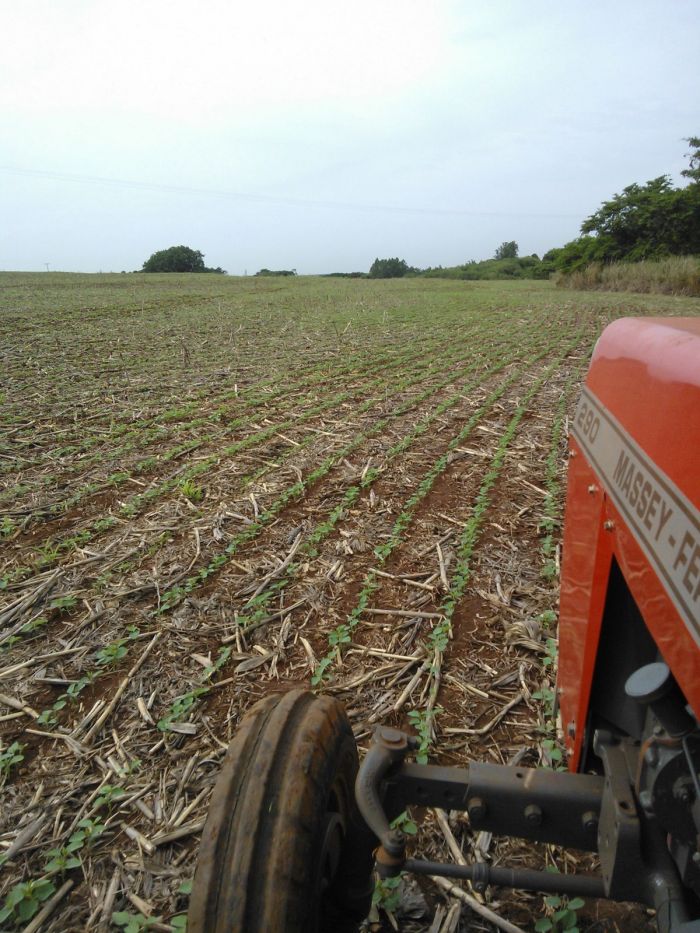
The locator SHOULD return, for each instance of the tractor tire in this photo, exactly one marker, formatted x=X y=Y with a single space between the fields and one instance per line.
x=284 y=848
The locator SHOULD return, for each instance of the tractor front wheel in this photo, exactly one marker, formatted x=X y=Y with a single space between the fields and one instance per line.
x=284 y=847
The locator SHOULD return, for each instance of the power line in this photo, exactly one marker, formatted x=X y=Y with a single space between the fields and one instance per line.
x=267 y=198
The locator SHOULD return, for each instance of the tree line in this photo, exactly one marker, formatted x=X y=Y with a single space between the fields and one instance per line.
x=651 y=221
x=655 y=220
x=506 y=264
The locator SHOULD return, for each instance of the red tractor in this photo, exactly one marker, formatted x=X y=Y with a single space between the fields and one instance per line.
x=290 y=846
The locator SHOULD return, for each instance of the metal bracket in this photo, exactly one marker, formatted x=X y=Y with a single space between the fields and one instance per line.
x=577 y=810
x=619 y=836
x=389 y=748
x=534 y=804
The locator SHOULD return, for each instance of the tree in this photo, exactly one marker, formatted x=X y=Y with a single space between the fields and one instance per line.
x=507 y=250
x=389 y=268
x=648 y=221
x=643 y=222
x=178 y=259
x=693 y=172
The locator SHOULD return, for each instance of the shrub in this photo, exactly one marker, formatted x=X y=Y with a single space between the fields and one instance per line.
x=178 y=259
x=389 y=269
x=676 y=275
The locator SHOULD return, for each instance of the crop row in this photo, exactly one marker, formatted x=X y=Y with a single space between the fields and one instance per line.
x=256 y=610
x=301 y=487
x=256 y=607
x=342 y=635
x=36 y=623
x=77 y=361
x=87 y=367
x=135 y=504
x=551 y=509
x=171 y=383
x=170 y=598
x=438 y=640
x=218 y=407
x=550 y=525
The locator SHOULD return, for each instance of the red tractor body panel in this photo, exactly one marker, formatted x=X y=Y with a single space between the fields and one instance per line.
x=633 y=499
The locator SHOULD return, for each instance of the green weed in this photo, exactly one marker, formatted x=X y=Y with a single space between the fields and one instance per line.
x=7 y=527
x=563 y=915
x=62 y=860
x=87 y=833
x=112 y=653
x=422 y=722
x=191 y=490
x=109 y=796
x=63 y=603
x=133 y=923
x=24 y=900
x=404 y=822
x=387 y=893
x=10 y=756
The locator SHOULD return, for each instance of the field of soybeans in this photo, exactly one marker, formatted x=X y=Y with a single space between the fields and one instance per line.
x=214 y=488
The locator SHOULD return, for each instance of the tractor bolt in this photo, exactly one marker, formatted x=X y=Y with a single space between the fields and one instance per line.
x=571 y=730
x=394 y=843
x=592 y=489
x=533 y=815
x=476 y=809
x=390 y=737
x=609 y=525
x=590 y=821
x=681 y=791
x=646 y=801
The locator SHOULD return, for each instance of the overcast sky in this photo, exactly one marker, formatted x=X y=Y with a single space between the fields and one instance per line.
x=319 y=135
